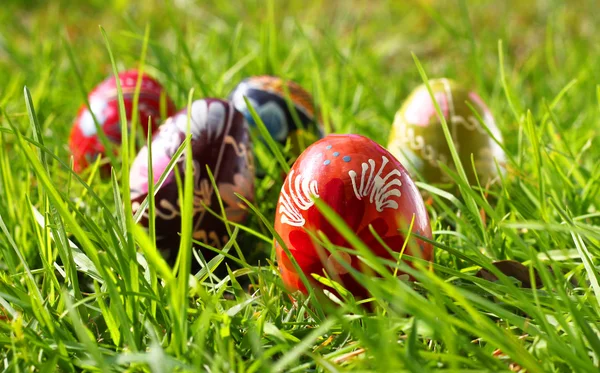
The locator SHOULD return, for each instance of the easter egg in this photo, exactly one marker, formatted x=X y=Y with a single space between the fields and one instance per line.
x=296 y=120
x=220 y=141
x=417 y=138
x=84 y=142
x=365 y=185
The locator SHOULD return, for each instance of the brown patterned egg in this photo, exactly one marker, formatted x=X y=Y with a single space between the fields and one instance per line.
x=417 y=138
x=365 y=185
x=220 y=141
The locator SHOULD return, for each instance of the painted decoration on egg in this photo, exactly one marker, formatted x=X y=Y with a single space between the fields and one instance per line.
x=84 y=142
x=268 y=97
x=364 y=184
x=417 y=138
x=220 y=141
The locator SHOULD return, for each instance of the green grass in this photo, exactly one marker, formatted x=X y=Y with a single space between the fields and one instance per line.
x=83 y=288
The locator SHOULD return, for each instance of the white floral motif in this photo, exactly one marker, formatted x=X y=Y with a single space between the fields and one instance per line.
x=377 y=188
x=299 y=198
x=205 y=116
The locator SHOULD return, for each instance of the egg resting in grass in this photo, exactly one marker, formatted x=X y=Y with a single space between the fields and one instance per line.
x=84 y=142
x=220 y=141
x=365 y=185
x=417 y=138
x=267 y=94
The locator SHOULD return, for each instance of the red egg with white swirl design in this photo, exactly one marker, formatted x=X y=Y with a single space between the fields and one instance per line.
x=84 y=142
x=365 y=185
x=220 y=140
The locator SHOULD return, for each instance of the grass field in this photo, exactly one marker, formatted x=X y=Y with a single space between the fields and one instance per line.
x=88 y=306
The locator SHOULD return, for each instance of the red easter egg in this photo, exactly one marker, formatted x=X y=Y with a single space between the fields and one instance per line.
x=84 y=142
x=365 y=185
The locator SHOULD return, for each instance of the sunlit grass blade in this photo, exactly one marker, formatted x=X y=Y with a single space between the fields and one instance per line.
x=143 y=207
x=184 y=257
x=264 y=132
x=504 y=81
x=85 y=336
x=54 y=196
x=125 y=157
x=106 y=143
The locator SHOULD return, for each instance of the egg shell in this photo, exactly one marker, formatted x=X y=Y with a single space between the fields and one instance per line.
x=220 y=141
x=268 y=97
x=417 y=138
x=364 y=184
x=84 y=142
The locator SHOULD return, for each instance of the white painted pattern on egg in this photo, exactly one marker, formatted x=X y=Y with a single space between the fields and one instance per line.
x=215 y=120
x=86 y=124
